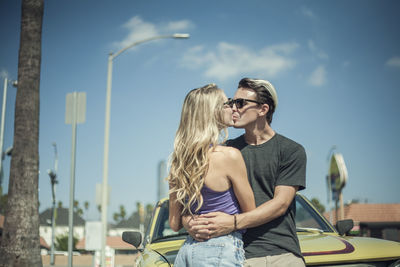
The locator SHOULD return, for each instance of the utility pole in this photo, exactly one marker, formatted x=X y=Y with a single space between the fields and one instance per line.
x=53 y=181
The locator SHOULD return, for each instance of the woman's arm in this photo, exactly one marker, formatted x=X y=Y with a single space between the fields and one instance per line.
x=175 y=210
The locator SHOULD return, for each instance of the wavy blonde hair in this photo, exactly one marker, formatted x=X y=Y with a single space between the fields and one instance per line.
x=201 y=128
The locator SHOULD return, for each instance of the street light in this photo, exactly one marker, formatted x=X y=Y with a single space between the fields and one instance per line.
x=2 y=122
x=53 y=181
x=104 y=199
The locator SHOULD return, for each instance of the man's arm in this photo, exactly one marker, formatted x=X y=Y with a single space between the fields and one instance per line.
x=270 y=210
x=219 y=223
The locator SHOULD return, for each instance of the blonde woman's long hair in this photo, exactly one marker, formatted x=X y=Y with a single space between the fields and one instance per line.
x=201 y=128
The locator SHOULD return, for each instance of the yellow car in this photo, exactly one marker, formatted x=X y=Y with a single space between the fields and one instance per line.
x=321 y=244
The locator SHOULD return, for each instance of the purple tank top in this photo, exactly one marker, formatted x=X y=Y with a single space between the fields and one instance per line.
x=217 y=201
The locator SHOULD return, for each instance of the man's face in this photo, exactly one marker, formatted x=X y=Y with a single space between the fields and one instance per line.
x=248 y=113
x=227 y=114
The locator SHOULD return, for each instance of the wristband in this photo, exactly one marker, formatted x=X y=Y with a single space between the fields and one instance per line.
x=234 y=222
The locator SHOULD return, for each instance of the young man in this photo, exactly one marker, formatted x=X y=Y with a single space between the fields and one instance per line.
x=276 y=168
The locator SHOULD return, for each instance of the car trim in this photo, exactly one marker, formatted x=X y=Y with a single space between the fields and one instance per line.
x=347 y=249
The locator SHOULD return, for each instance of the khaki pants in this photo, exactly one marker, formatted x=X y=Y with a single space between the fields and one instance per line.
x=286 y=259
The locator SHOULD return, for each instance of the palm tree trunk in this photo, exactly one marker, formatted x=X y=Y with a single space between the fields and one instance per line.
x=20 y=245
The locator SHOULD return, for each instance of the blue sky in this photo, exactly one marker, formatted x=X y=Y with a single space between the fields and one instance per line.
x=335 y=65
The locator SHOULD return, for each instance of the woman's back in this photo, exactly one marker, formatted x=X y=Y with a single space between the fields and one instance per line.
x=217 y=177
x=227 y=171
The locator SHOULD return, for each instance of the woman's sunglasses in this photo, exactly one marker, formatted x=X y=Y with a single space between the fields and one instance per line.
x=239 y=102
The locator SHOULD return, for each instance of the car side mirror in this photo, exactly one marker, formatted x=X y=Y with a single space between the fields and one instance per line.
x=344 y=226
x=132 y=237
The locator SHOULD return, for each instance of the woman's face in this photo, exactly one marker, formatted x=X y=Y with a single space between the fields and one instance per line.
x=227 y=114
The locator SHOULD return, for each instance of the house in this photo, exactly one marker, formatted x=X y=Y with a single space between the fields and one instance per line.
x=373 y=220
x=61 y=227
x=114 y=242
x=130 y=224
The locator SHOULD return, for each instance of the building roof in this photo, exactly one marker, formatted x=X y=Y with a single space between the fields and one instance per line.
x=62 y=215
x=365 y=212
x=132 y=222
x=43 y=243
x=114 y=242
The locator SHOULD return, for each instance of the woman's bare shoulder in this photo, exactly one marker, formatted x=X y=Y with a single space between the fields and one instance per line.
x=228 y=153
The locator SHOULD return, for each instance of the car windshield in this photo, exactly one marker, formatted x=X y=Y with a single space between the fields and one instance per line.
x=307 y=219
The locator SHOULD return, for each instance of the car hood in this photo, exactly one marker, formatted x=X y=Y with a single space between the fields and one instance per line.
x=332 y=248
x=317 y=248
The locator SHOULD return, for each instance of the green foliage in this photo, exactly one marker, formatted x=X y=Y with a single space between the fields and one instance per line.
x=318 y=205
x=120 y=216
x=61 y=243
x=86 y=205
x=77 y=208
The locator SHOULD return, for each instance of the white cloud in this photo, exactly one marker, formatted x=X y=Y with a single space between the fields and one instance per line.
x=138 y=29
x=180 y=25
x=318 y=77
x=229 y=60
x=307 y=12
x=393 y=62
x=317 y=51
x=4 y=74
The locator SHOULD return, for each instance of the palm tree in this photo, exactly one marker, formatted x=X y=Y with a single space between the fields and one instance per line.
x=20 y=239
x=86 y=206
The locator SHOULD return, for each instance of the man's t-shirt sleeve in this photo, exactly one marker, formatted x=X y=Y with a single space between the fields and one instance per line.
x=293 y=168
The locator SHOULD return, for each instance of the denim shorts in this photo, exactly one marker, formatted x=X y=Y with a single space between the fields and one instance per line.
x=224 y=251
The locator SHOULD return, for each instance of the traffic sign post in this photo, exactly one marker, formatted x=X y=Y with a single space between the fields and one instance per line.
x=75 y=113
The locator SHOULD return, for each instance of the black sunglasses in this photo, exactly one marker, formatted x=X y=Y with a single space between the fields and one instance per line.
x=239 y=102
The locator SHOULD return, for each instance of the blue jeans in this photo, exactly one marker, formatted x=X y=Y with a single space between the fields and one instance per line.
x=224 y=251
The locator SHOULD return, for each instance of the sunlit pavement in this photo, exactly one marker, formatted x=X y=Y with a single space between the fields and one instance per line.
x=87 y=261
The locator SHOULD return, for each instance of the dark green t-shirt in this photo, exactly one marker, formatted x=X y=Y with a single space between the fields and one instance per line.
x=279 y=161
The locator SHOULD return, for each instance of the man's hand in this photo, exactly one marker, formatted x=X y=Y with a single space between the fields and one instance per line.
x=196 y=227
x=218 y=223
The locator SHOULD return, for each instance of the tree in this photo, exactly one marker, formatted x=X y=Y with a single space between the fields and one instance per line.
x=119 y=216
x=61 y=242
x=318 y=205
x=20 y=244
x=77 y=208
x=86 y=206
x=3 y=202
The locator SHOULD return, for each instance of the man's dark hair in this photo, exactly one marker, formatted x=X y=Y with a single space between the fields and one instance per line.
x=262 y=89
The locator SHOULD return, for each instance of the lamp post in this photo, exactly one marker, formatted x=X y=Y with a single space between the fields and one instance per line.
x=53 y=181
x=2 y=122
x=104 y=200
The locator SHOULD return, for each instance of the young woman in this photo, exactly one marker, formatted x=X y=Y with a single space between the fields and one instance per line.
x=206 y=176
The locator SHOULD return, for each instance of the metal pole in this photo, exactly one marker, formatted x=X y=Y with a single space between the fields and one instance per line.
x=53 y=226
x=3 y=114
x=341 y=205
x=328 y=181
x=104 y=195
x=72 y=181
x=104 y=201
x=53 y=179
x=162 y=167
